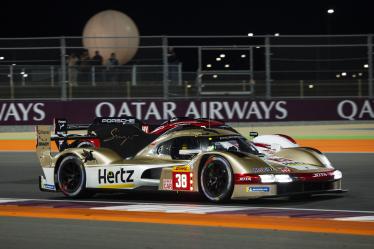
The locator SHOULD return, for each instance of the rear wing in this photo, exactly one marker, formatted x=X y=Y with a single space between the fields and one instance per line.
x=124 y=135
x=61 y=126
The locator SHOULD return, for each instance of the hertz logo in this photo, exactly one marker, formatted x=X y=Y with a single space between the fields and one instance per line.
x=120 y=176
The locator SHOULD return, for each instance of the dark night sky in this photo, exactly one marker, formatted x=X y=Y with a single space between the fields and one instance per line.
x=182 y=17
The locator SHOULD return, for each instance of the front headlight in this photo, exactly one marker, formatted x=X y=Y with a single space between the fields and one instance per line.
x=267 y=178
x=283 y=178
x=337 y=175
x=275 y=178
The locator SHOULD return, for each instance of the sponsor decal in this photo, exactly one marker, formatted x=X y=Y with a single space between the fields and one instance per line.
x=167 y=184
x=244 y=179
x=281 y=160
x=49 y=186
x=352 y=110
x=145 y=128
x=182 y=181
x=43 y=132
x=228 y=137
x=320 y=175
x=40 y=144
x=262 y=170
x=42 y=141
x=262 y=110
x=22 y=112
x=38 y=112
x=181 y=168
x=113 y=177
x=118 y=121
x=258 y=189
x=118 y=186
x=285 y=170
x=303 y=167
x=295 y=164
x=116 y=135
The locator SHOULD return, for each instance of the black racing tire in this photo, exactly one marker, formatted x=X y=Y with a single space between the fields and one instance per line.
x=216 y=179
x=71 y=178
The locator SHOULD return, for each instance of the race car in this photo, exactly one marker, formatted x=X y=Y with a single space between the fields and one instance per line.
x=267 y=144
x=219 y=164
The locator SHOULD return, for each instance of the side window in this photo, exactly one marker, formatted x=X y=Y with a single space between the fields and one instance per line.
x=164 y=148
x=183 y=143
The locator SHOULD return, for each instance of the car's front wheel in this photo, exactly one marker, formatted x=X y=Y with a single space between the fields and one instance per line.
x=71 y=177
x=216 y=179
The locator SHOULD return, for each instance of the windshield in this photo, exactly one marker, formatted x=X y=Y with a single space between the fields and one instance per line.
x=232 y=144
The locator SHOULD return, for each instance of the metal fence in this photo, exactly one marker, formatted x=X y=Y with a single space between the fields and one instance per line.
x=203 y=66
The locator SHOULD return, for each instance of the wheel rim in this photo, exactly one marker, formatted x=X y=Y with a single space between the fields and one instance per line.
x=70 y=178
x=215 y=179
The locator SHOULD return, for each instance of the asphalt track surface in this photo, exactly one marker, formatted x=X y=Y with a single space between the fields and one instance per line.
x=18 y=179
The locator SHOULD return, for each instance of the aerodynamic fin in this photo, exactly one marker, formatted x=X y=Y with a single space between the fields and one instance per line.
x=43 y=144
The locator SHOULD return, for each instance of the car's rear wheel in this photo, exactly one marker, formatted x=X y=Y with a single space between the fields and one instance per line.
x=216 y=179
x=71 y=177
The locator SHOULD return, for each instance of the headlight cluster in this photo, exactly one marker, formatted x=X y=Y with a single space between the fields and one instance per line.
x=337 y=174
x=275 y=178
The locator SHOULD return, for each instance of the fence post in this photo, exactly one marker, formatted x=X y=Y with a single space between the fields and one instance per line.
x=251 y=62
x=199 y=68
x=23 y=77
x=165 y=75
x=179 y=74
x=11 y=81
x=128 y=88
x=370 y=63
x=63 y=67
x=251 y=69
x=301 y=88
x=133 y=75
x=267 y=67
x=52 y=76
x=93 y=76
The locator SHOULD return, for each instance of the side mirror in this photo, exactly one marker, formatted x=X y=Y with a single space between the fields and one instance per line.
x=253 y=134
x=189 y=152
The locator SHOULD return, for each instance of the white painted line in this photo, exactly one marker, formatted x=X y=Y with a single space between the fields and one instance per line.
x=195 y=209
x=6 y=200
x=358 y=218
x=124 y=203
x=348 y=152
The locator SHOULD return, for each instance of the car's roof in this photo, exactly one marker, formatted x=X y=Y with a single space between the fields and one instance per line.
x=200 y=132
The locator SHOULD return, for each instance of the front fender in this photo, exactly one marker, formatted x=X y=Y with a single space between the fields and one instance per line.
x=241 y=163
x=306 y=155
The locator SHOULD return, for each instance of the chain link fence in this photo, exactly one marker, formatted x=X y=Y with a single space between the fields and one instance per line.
x=189 y=66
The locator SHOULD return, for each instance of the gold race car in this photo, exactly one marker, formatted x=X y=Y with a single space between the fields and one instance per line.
x=218 y=163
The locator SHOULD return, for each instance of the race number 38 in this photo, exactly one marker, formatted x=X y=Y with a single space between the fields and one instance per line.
x=181 y=181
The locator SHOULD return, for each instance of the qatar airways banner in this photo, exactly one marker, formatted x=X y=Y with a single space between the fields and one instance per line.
x=155 y=111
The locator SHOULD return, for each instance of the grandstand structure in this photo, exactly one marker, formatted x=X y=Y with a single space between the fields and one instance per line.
x=267 y=66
